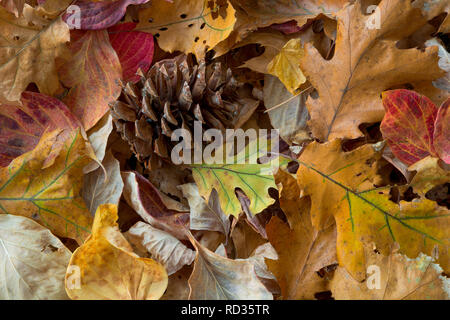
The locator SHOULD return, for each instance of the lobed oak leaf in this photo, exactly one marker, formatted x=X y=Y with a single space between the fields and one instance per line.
x=92 y=73
x=21 y=126
x=339 y=184
x=44 y=184
x=126 y=277
x=366 y=62
x=302 y=249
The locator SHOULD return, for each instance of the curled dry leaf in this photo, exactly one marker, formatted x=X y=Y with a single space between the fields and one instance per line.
x=28 y=48
x=217 y=278
x=163 y=247
x=145 y=199
x=302 y=249
x=92 y=73
x=190 y=26
x=339 y=184
x=98 y=137
x=393 y=277
x=100 y=189
x=21 y=126
x=205 y=215
x=33 y=261
x=127 y=277
x=291 y=117
x=350 y=83
x=49 y=191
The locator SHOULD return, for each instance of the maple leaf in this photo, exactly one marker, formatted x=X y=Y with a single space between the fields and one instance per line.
x=127 y=277
x=302 y=249
x=413 y=126
x=44 y=184
x=188 y=25
x=34 y=261
x=28 y=48
x=92 y=73
x=23 y=125
x=350 y=83
x=339 y=184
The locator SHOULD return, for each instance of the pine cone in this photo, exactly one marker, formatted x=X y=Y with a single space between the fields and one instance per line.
x=175 y=93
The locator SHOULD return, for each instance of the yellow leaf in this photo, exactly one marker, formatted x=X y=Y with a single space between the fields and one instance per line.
x=28 y=48
x=107 y=267
x=339 y=184
x=286 y=65
x=190 y=26
x=44 y=184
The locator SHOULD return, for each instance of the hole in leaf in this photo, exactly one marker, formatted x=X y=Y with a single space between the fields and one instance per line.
x=440 y=194
x=183 y=16
x=203 y=25
x=190 y=25
x=150 y=20
x=163 y=29
x=196 y=39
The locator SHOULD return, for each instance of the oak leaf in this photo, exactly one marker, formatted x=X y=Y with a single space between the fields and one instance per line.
x=107 y=267
x=44 y=184
x=302 y=249
x=339 y=184
x=365 y=63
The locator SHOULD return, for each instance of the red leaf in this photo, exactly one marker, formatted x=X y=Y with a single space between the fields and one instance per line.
x=22 y=126
x=92 y=73
x=134 y=48
x=145 y=199
x=408 y=124
x=102 y=15
x=442 y=132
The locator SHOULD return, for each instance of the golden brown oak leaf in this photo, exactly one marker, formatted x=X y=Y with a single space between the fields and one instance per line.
x=44 y=184
x=339 y=184
x=393 y=277
x=302 y=249
x=365 y=63
x=190 y=26
x=28 y=48
x=107 y=268
x=92 y=73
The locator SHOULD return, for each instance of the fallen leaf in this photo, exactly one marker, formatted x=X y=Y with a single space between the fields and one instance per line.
x=50 y=195
x=92 y=73
x=21 y=126
x=302 y=249
x=190 y=26
x=163 y=247
x=286 y=66
x=144 y=198
x=400 y=278
x=98 y=137
x=28 y=48
x=441 y=135
x=217 y=278
x=101 y=14
x=350 y=83
x=291 y=117
x=205 y=215
x=100 y=189
x=33 y=261
x=134 y=49
x=126 y=277
x=339 y=184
